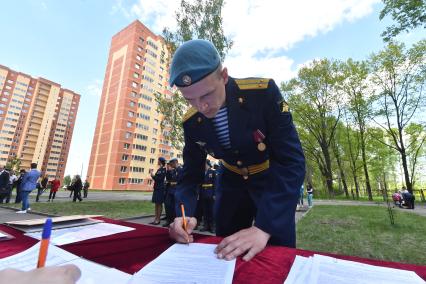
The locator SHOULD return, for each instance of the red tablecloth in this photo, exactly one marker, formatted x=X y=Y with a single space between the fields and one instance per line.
x=130 y=251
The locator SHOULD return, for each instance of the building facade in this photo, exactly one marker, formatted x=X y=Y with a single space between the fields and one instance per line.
x=37 y=120
x=128 y=137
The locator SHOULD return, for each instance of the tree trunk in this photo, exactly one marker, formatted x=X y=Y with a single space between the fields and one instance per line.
x=364 y=164
x=342 y=173
x=328 y=172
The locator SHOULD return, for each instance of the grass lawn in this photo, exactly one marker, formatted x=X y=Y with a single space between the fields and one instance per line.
x=364 y=231
x=110 y=209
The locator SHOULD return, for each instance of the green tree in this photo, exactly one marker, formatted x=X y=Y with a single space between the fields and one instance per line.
x=67 y=180
x=408 y=15
x=315 y=100
x=195 y=20
x=14 y=164
x=357 y=88
x=399 y=75
x=416 y=134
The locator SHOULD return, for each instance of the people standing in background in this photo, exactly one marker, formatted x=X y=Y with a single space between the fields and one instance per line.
x=41 y=186
x=76 y=187
x=86 y=186
x=159 y=189
x=54 y=186
x=18 y=197
x=12 y=181
x=207 y=197
x=173 y=178
x=302 y=191
x=29 y=183
x=4 y=184
x=310 y=191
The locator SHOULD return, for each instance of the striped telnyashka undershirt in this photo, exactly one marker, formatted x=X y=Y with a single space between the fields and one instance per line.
x=220 y=122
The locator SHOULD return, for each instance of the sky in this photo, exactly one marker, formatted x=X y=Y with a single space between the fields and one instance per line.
x=68 y=42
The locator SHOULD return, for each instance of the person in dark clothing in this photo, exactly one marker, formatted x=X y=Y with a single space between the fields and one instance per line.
x=41 y=187
x=159 y=188
x=207 y=197
x=18 y=198
x=76 y=188
x=4 y=184
x=86 y=186
x=172 y=178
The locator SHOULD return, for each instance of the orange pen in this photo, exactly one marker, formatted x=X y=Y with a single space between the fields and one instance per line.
x=185 y=226
x=44 y=245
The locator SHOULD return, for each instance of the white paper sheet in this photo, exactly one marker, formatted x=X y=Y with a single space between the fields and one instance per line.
x=91 y=272
x=76 y=234
x=193 y=263
x=298 y=272
x=321 y=269
x=332 y=270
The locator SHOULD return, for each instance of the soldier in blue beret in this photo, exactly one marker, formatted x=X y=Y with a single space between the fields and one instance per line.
x=246 y=124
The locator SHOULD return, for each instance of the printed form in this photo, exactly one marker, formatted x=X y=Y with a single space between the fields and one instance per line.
x=181 y=263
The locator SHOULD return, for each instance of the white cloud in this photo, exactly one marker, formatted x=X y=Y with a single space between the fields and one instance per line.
x=156 y=14
x=264 y=26
x=95 y=88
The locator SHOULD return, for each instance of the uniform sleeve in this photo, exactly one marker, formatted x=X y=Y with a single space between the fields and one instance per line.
x=276 y=210
x=191 y=176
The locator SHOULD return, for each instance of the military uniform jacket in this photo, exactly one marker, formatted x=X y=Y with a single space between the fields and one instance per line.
x=207 y=187
x=253 y=104
x=173 y=177
x=159 y=179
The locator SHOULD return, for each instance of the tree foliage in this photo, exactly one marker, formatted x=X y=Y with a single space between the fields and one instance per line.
x=200 y=19
x=408 y=14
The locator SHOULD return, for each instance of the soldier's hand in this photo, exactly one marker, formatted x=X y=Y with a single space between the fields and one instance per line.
x=66 y=274
x=250 y=241
x=177 y=233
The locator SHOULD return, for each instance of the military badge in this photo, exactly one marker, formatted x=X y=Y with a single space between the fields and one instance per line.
x=186 y=80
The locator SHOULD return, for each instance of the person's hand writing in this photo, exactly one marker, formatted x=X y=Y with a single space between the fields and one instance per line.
x=66 y=274
x=177 y=233
x=251 y=240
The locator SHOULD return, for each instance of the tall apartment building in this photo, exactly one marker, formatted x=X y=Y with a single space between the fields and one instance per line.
x=128 y=138
x=37 y=119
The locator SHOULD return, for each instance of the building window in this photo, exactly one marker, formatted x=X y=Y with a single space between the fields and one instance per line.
x=137 y=66
x=129 y=124
x=135 y=75
x=151 y=161
x=131 y=114
x=126 y=145
x=152 y=150
x=124 y=157
x=134 y=84
x=121 y=180
x=123 y=169
x=128 y=135
x=132 y=103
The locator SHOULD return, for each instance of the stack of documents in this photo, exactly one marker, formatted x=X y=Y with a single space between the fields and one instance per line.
x=91 y=272
x=76 y=234
x=193 y=263
x=321 y=269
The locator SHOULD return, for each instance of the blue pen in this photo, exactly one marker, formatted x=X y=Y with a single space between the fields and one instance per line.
x=44 y=245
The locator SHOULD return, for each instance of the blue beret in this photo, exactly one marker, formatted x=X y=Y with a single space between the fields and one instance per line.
x=173 y=160
x=162 y=160
x=192 y=62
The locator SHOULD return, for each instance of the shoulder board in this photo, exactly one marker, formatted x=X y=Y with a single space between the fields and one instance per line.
x=189 y=113
x=284 y=106
x=252 y=83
